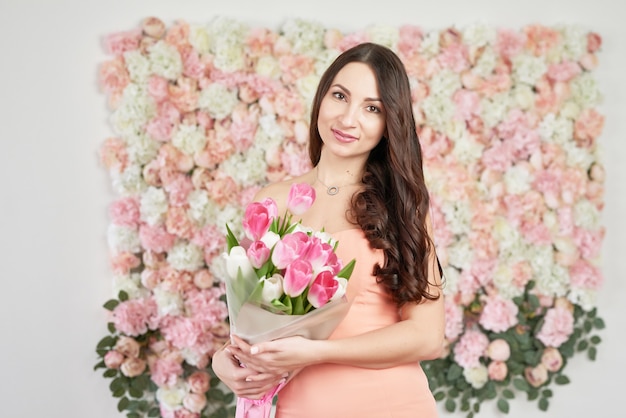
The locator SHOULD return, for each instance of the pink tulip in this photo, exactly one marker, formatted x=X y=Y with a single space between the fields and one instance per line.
x=322 y=289
x=318 y=253
x=256 y=220
x=291 y=247
x=270 y=205
x=298 y=275
x=301 y=197
x=258 y=253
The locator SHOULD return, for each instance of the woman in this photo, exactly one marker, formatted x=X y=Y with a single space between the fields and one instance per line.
x=371 y=196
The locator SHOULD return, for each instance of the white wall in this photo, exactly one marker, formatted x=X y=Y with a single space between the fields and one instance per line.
x=54 y=195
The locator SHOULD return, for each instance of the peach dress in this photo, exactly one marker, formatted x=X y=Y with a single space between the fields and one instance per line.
x=334 y=390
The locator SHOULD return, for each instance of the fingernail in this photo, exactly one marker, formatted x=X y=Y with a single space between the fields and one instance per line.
x=254 y=350
x=248 y=379
x=285 y=374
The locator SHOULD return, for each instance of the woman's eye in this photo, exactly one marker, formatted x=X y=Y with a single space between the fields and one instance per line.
x=339 y=95
x=373 y=109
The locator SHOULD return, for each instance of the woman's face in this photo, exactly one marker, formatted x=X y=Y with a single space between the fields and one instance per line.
x=351 y=119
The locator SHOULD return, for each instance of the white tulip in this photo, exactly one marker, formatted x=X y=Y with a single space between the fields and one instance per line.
x=236 y=261
x=272 y=288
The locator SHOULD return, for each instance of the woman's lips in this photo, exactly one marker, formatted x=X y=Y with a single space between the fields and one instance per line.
x=343 y=137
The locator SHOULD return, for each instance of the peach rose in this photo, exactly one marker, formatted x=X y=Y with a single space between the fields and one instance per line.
x=132 y=367
x=497 y=370
x=552 y=359
x=203 y=279
x=113 y=359
x=153 y=27
x=536 y=376
x=199 y=382
x=194 y=402
x=499 y=350
x=127 y=346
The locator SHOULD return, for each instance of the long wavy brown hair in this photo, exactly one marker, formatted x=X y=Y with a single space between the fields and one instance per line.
x=391 y=209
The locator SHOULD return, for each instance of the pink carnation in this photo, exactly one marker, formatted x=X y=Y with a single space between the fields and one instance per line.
x=498 y=314
x=125 y=212
x=156 y=238
x=166 y=370
x=589 y=242
x=454 y=319
x=557 y=327
x=470 y=348
x=134 y=317
x=585 y=275
x=120 y=42
x=509 y=42
x=563 y=71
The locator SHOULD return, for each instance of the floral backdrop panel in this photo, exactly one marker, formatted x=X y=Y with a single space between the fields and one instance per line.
x=204 y=114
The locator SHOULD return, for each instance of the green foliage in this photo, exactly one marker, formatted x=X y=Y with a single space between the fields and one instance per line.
x=450 y=385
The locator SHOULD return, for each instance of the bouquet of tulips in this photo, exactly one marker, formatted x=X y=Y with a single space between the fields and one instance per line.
x=284 y=280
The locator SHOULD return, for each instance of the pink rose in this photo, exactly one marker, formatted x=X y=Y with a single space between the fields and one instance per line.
x=301 y=197
x=497 y=370
x=256 y=221
x=552 y=359
x=536 y=376
x=322 y=289
x=499 y=350
x=199 y=382
x=113 y=359
x=195 y=402
x=133 y=367
x=127 y=346
x=298 y=275
x=258 y=253
x=289 y=248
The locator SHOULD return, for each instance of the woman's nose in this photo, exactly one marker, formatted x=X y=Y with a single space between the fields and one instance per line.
x=349 y=115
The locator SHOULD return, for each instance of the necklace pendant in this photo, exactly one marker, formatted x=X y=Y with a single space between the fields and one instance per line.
x=332 y=190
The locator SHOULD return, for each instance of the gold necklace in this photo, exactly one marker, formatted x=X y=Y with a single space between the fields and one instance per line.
x=331 y=190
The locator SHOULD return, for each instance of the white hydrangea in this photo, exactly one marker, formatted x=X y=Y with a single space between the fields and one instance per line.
x=585 y=298
x=555 y=281
x=138 y=66
x=445 y=83
x=523 y=95
x=577 y=156
x=458 y=214
x=168 y=303
x=460 y=254
x=557 y=129
x=467 y=150
x=495 y=109
x=218 y=268
x=509 y=238
x=269 y=133
x=218 y=100
x=306 y=37
x=191 y=357
x=503 y=279
x=131 y=284
x=248 y=169
x=570 y=110
x=153 y=205
x=517 y=179
x=189 y=138
x=199 y=38
x=128 y=182
x=165 y=60
x=438 y=109
x=479 y=34
x=227 y=39
x=585 y=92
x=185 y=256
x=384 y=35
x=268 y=66
x=574 y=42
x=171 y=397
x=323 y=60
x=307 y=86
x=231 y=215
x=202 y=208
x=134 y=110
x=486 y=63
x=476 y=376
x=586 y=214
x=123 y=239
x=141 y=148
x=430 y=44
x=528 y=69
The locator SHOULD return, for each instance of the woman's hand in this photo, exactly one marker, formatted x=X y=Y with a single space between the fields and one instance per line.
x=245 y=382
x=277 y=357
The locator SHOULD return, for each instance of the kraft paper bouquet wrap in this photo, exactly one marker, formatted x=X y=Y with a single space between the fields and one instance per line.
x=284 y=280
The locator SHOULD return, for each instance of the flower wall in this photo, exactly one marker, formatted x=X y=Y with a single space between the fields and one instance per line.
x=203 y=115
